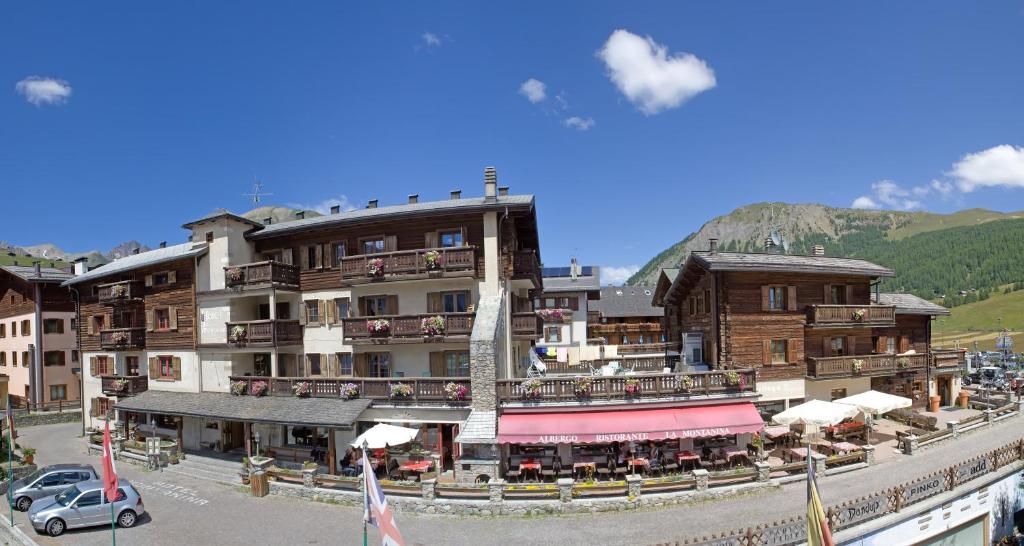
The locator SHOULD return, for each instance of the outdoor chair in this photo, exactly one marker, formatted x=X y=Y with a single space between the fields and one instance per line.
x=514 y=474
x=656 y=466
x=393 y=472
x=671 y=466
x=605 y=471
x=621 y=471
x=546 y=473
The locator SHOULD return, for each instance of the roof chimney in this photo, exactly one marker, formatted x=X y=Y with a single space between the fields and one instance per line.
x=37 y=270
x=300 y=214
x=80 y=265
x=135 y=250
x=490 y=184
x=268 y=220
x=163 y=244
x=574 y=268
x=414 y=198
x=335 y=209
x=713 y=246
x=456 y=194
x=372 y=204
x=502 y=191
x=769 y=244
x=818 y=250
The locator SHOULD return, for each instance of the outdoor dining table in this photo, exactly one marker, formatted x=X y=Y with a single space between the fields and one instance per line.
x=532 y=465
x=731 y=454
x=415 y=466
x=638 y=461
x=796 y=453
x=687 y=459
x=588 y=467
x=843 y=447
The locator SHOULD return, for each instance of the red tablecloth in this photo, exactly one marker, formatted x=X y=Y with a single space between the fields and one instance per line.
x=688 y=456
x=639 y=461
x=844 y=447
x=733 y=453
x=415 y=466
x=529 y=465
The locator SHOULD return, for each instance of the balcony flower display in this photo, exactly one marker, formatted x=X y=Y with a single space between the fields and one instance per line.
x=433 y=259
x=350 y=391
x=857 y=365
x=375 y=267
x=554 y=315
x=119 y=291
x=234 y=274
x=455 y=392
x=530 y=389
x=302 y=389
x=632 y=387
x=684 y=384
x=238 y=334
x=401 y=390
x=583 y=385
x=238 y=388
x=433 y=326
x=120 y=385
x=120 y=338
x=859 y=314
x=378 y=326
x=734 y=379
x=258 y=388
x=903 y=363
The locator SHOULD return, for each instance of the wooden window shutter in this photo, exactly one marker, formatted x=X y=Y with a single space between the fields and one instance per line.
x=390 y=243
x=94 y=407
x=92 y=366
x=434 y=302
x=791 y=298
x=305 y=366
x=154 y=367
x=321 y=306
x=849 y=294
x=465 y=236
x=319 y=249
x=303 y=258
x=325 y=365
x=91 y=326
x=792 y=349
x=851 y=345
x=904 y=344
x=826 y=346
x=437 y=368
x=361 y=306
x=392 y=305
x=328 y=255
x=149 y=280
x=172 y=277
x=332 y=365
x=766 y=352
x=149 y=320
x=430 y=239
x=828 y=295
x=574 y=303
x=172 y=317
x=707 y=301
x=109 y=320
x=303 y=313
x=360 y=365
x=286 y=256
x=329 y=308
x=176 y=367
x=764 y=298
x=881 y=344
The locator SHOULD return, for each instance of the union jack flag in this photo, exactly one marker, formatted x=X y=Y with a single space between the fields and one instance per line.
x=376 y=511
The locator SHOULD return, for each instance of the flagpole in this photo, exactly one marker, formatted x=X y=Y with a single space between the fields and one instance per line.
x=10 y=455
x=366 y=492
x=110 y=453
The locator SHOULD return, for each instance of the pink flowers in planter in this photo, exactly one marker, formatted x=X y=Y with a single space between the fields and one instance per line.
x=433 y=260
x=433 y=326
x=530 y=388
x=401 y=390
x=455 y=392
x=118 y=291
x=302 y=389
x=375 y=267
x=350 y=391
x=632 y=387
x=120 y=385
x=238 y=388
x=258 y=388
x=554 y=315
x=378 y=326
x=119 y=338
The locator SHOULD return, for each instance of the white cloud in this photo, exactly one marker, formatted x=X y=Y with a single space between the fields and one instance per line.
x=578 y=123
x=942 y=188
x=649 y=77
x=617 y=275
x=39 y=91
x=430 y=39
x=865 y=202
x=560 y=97
x=324 y=207
x=890 y=195
x=999 y=166
x=534 y=90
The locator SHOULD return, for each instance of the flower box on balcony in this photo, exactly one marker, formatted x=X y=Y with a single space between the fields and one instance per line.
x=455 y=392
x=554 y=315
x=375 y=268
x=433 y=326
x=302 y=389
x=350 y=391
x=378 y=327
x=401 y=391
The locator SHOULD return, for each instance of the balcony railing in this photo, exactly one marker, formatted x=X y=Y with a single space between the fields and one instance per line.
x=637 y=348
x=409 y=264
x=264 y=333
x=851 y=315
x=552 y=389
x=261 y=274
x=949 y=358
x=625 y=328
x=869 y=365
x=407 y=328
x=430 y=390
x=638 y=364
x=124 y=385
x=526 y=265
x=122 y=339
x=524 y=325
x=119 y=292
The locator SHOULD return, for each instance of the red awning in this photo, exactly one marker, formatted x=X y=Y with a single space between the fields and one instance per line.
x=628 y=425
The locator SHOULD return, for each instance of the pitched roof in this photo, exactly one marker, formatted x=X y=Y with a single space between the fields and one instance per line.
x=222 y=213
x=626 y=301
x=450 y=206
x=480 y=428
x=142 y=259
x=909 y=304
x=757 y=261
x=559 y=279
x=286 y=410
x=28 y=273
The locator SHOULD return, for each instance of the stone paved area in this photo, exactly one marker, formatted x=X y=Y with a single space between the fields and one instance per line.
x=229 y=517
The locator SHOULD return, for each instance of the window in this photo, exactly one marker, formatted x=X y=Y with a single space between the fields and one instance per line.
x=707 y=301
x=838 y=292
x=58 y=392
x=165 y=421
x=310 y=257
x=890 y=344
x=312 y=310
x=74 y=355
x=553 y=334
x=625 y=339
x=314 y=364
x=14 y=358
x=3 y=358
x=104 y=365
x=26 y=327
x=162 y=318
x=342 y=307
x=455 y=302
x=14 y=329
x=209 y=236
x=3 y=330
x=776 y=298
x=337 y=253
x=92 y=498
x=103 y=406
x=24 y=359
x=456 y=364
x=372 y=246
x=838 y=348
x=693 y=305
x=131 y=364
x=778 y=351
x=836 y=394
x=166 y=367
x=380 y=364
x=53 y=358
x=344 y=363
x=74 y=324
x=161 y=279
x=376 y=305
x=450 y=238
x=261 y=364
x=99 y=323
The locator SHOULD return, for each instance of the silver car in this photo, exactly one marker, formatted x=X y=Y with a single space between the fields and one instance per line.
x=47 y=482
x=83 y=505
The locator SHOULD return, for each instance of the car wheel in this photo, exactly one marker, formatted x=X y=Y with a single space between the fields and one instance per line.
x=23 y=504
x=55 y=527
x=127 y=518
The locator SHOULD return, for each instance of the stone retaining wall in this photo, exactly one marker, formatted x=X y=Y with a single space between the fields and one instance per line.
x=23 y=420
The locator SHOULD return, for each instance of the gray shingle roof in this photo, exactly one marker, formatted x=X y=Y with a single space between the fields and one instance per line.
x=480 y=428
x=754 y=261
x=909 y=304
x=142 y=259
x=470 y=204
x=28 y=273
x=286 y=410
x=222 y=213
x=626 y=301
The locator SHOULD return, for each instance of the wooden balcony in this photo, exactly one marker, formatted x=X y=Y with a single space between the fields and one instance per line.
x=870 y=365
x=425 y=390
x=264 y=333
x=639 y=348
x=644 y=364
x=598 y=330
x=410 y=265
x=847 y=315
x=407 y=329
x=660 y=386
x=124 y=385
x=526 y=265
x=261 y=274
x=119 y=292
x=524 y=326
x=123 y=339
x=949 y=359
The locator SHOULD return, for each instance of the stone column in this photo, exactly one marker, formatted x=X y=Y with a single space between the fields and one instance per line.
x=702 y=479
x=869 y=454
x=428 y=489
x=910 y=445
x=309 y=477
x=634 y=485
x=496 y=487
x=819 y=463
x=565 y=489
x=989 y=416
x=763 y=470
x=954 y=427
x=1020 y=407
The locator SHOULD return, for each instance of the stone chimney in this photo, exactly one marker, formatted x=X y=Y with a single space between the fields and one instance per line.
x=300 y=214
x=372 y=204
x=769 y=244
x=713 y=246
x=456 y=194
x=163 y=244
x=335 y=209
x=414 y=198
x=81 y=266
x=490 y=184
x=268 y=220
x=502 y=191
x=37 y=270
x=135 y=250
x=818 y=250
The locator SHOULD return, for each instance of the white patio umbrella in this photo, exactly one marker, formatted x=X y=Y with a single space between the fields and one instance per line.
x=874 y=402
x=816 y=413
x=383 y=435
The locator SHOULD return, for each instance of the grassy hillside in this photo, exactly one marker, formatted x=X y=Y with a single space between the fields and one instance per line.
x=925 y=222
x=980 y=322
x=24 y=260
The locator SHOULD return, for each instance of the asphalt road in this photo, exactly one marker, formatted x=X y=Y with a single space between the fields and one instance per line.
x=184 y=510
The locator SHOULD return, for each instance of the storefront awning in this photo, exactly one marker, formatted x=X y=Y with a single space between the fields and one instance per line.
x=628 y=425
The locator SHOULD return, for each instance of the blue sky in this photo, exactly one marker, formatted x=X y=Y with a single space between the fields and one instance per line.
x=123 y=121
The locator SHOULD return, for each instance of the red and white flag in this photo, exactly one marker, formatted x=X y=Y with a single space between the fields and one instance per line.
x=376 y=511
x=109 y=473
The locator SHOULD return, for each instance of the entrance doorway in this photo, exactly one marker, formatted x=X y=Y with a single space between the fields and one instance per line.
x=233 y=436
x=944 y=386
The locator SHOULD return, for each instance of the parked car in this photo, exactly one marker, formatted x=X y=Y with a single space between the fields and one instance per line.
x=83 y=505
x=48 y=481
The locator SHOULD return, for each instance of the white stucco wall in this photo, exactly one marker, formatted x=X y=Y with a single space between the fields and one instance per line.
x=780 y=390
x=228 y=247
x=822 y=390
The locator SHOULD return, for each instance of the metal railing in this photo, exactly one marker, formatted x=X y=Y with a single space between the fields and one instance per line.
x=566 y=389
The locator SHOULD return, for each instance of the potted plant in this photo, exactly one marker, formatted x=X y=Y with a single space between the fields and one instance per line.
x=632 y=387
x=530 y=389
x=903 y=363
x=28 y=455
x=554 y=315
x=258 y=388
x=378 y=327
x=432 y=326
x=433 y=260
x=859 y=314
x=234 y=274
x=244 y=472
x=238 y=334
x=857 y=365
x=583 y=385
x=120 y=337
x=684 y=384
x=238 y=388
x=734 y=379
x=302 y=389
x=401 y=390
x=120 y=385
x=119 y=291
x=350 y=391
x=375 y=267
x=455 y=392
x=173 y=458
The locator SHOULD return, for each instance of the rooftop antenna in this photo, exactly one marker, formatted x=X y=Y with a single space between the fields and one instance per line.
x=775 y=230
x=257 y=193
